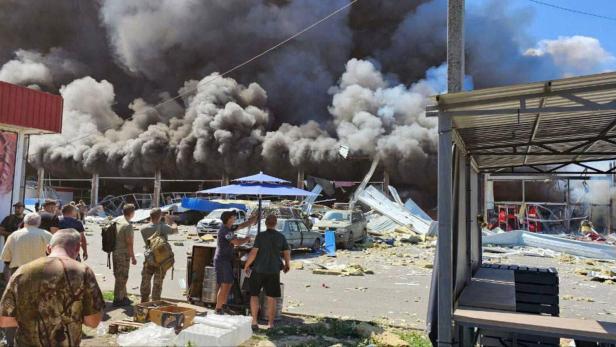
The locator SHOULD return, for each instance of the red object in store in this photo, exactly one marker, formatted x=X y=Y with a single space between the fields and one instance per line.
x=533 y=226
x=502 y=216
x=23 y=107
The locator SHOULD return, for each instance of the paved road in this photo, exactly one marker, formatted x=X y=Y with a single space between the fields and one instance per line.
x=396 y=292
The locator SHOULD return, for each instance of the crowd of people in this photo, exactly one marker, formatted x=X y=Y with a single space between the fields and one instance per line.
x=50 y=292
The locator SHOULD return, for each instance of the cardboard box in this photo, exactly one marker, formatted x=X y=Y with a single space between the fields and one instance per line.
x=142 y=311
x=173 y=317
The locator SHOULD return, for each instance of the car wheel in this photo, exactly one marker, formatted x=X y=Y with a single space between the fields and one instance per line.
x=349 y=243
x=316 y=246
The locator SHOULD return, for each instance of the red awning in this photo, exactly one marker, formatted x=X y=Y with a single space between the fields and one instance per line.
x=33 y=110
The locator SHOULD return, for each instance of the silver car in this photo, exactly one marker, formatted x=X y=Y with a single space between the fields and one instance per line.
x=294 y=230
x=349 y=226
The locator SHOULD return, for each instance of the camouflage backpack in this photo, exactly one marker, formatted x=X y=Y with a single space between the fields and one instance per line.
x=159 y=253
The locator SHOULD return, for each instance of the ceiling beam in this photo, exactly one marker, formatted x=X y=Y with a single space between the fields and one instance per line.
x=432 y=110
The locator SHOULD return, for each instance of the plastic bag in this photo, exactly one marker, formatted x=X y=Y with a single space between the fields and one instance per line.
x=148 y=335
x=101 y=329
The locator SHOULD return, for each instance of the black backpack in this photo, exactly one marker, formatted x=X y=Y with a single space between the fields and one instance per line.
x=109 y=232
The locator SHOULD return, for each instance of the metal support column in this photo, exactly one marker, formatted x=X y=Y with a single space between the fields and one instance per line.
x=386 y=183
x=157 y=189
x=300 y=178
x=19 y=181
x=469 y=216
x=444 y=242
x=94 y=190
x=40 y=183
x=455 y=81
x=568 y=209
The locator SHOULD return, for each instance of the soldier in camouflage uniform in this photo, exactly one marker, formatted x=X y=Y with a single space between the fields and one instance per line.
x=50 y=298
x=123 y=255
x=150 y=271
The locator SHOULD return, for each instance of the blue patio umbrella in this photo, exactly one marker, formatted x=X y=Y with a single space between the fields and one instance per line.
x=258 y=185
x=261 y=178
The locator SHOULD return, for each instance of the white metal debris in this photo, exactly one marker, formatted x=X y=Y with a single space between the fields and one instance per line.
x=395 y=195
x=379 y=225
x=373 y=198
x=552 y=242
x=364 y=182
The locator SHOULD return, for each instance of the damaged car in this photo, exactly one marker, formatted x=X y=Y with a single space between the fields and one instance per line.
x=349 y=226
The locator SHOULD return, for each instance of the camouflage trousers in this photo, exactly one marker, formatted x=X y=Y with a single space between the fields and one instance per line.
x=147 y=273
x=121 y=265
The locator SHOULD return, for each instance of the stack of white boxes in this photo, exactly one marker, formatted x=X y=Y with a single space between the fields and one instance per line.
x=216 y=330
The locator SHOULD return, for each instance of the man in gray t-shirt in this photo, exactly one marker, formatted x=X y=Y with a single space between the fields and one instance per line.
x=269 y=246
x=149 y=271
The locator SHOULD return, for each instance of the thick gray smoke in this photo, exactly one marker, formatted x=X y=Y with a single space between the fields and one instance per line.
x=223 y=33
x=359 y=79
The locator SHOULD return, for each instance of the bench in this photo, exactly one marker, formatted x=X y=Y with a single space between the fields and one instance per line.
x=491 y=289
x=519 y=289
x=523 y=323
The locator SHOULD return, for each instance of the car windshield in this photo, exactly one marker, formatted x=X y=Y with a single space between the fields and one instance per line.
x=216 y=214
x=336 y=216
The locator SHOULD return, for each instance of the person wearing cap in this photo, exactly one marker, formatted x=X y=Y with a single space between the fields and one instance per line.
x=49 y=218
x=12 y=222
x=164 y=228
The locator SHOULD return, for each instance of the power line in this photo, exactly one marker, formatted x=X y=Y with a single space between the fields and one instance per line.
x=573 y=10
x=236 y=67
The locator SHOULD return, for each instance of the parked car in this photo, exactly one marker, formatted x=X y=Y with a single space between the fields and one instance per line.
x=295 y=231
x=211 y=223
x=349 y=226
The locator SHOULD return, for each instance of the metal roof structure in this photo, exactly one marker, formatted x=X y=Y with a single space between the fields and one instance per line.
x=543 y=126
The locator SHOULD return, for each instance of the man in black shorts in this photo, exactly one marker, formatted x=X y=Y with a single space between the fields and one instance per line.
x=269 y=246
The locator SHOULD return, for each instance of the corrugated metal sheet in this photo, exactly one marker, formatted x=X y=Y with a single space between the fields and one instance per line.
x=28 y=108
x=374 y=199
x=488 y=124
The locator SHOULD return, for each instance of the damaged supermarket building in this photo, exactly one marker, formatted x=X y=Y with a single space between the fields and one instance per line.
x=136 y=106
x=328 y=116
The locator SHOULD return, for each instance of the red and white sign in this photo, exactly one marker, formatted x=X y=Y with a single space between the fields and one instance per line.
x=8 y=155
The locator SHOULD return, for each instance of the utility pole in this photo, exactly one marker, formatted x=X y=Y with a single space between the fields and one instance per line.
x=455 y=46
x=455 y=80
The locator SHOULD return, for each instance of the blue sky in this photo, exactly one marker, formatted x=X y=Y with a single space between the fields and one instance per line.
x=550 y=23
